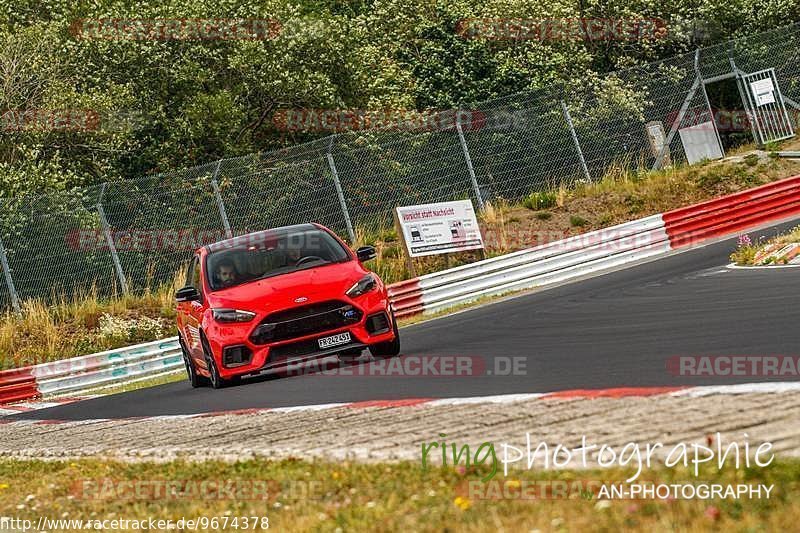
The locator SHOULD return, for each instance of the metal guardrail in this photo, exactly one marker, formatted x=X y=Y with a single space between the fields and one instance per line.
x=91 y=371
x=154 y=361
x=546 y=264
x=739 y=211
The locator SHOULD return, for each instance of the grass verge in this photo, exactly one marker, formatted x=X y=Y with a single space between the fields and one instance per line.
x=765 y=253
x=172 y=377
x=319 y=496
x=85 y=324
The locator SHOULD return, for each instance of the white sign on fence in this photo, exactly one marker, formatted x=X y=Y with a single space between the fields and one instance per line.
x=764 y=91
x=439 y=228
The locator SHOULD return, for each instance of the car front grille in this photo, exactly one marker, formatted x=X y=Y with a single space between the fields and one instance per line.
x=305 y=320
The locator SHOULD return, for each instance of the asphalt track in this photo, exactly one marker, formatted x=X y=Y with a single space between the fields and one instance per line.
x=614 y=330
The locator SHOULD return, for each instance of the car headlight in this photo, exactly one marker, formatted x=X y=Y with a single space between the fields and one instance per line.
x=362 y=286
x=232 y=315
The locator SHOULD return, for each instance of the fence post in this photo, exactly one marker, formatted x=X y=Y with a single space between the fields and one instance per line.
x=110 y=241
x=12 y=291
x=751 y=119
x=568 y=118
x=708 y=103
x=468 y=158
x=220 y=204
x=340 y=192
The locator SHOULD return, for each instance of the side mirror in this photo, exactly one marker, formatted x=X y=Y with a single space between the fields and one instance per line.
x=365 y=253
x=187 y=294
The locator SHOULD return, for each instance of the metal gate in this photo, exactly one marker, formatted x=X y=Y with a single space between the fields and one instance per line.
x=765 y=108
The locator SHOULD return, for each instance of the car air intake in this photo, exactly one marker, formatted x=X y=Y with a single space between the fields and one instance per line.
x=377 y=324
x=233 y=356
x=305 y=320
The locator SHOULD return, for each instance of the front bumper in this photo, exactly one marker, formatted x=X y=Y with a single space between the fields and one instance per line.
x=225 y=338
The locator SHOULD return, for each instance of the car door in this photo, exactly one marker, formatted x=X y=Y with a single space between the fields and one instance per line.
x=182 y=308
x=192 y=313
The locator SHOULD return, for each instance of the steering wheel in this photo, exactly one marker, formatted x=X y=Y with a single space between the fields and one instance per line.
x=307 y=259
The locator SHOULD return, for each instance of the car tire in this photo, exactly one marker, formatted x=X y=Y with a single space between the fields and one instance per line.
x=390 y=348
x=217 y=381
x=195 y=379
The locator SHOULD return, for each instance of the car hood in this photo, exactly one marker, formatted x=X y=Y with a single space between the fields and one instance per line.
x=327 y=282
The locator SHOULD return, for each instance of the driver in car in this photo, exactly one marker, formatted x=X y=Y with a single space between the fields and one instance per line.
x=289 y=256
x=293 y=255
x=226 y=274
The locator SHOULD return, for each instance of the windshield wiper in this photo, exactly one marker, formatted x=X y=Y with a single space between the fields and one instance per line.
x=273 y=273
x=284 y=270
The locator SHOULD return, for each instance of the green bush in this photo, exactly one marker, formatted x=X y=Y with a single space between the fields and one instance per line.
x=751 y=160
x=391 y=252
x=744 y=255
x=713 y=176
x=544 y=215
x=605 y=218
x=578 y=221
x=540 y=200
x=388 y=235
x=635 y=203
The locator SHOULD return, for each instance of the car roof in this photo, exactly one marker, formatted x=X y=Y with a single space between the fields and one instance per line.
x=241 y=240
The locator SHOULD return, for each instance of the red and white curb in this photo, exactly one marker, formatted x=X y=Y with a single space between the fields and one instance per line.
x=576 y=394
x=25 y=407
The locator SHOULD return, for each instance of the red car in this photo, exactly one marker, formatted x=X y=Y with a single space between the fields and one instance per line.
x=285 y=295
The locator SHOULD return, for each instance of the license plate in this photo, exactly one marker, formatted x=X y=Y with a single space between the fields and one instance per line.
x=334 y=340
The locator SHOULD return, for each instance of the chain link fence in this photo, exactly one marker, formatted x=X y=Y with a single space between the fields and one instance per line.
x=132 y=234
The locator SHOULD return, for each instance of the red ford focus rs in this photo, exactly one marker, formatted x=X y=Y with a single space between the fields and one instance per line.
x=264 y=300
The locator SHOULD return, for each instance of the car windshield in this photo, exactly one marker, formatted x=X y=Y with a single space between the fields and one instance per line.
x=273 y=253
